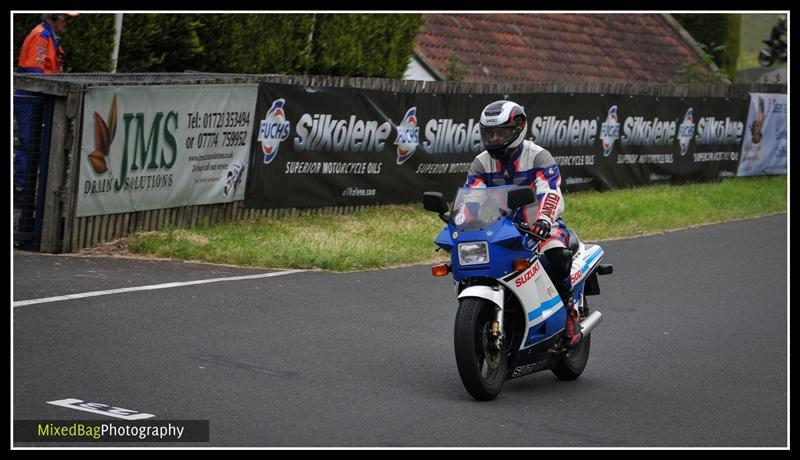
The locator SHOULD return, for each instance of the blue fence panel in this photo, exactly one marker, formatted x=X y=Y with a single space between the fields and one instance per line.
x=32 y=122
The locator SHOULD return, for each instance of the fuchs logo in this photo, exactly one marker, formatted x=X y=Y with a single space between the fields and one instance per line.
x=274 y=130
x=686 y=131
x=609 y=131
x=407 y=136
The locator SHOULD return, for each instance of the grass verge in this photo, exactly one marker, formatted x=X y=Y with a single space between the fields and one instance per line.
x=403 y=234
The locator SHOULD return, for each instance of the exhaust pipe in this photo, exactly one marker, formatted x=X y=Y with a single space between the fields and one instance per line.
x=590 y=322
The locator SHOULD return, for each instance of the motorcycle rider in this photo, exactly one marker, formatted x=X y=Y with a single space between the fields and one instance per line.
x=776 y=36
x=510 y=159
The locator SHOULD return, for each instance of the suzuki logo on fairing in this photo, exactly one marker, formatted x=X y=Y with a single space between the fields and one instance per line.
x=274 y=129
x=530 y=368
x=609 y=131
x=686 y=131
x=407 y=136
x=527 y=275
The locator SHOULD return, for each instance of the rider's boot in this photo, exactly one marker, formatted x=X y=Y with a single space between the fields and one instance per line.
x=573 y=326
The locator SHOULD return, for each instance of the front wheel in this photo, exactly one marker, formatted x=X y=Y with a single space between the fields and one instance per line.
x=481 y=364
x=765 y=58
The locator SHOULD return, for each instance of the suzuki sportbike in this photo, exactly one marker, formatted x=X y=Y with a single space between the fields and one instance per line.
x=510 y=319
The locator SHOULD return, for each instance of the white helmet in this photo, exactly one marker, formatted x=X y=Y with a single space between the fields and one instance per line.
x=503 y=127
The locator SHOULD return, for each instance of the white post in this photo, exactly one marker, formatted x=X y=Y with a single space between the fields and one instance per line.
x=117 y=37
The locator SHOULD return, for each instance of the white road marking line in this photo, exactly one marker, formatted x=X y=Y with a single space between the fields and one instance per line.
x=82 y=295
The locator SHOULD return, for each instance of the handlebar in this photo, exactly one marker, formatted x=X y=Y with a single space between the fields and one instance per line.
x=523 y=227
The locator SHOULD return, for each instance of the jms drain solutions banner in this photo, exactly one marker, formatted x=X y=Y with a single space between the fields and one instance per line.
x=153 y=147
x=318 y=146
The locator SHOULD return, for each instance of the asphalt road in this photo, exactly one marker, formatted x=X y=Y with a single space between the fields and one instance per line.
x=692 y=351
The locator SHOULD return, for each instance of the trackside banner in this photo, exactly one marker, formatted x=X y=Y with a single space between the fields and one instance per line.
x=764 y=147
x=319 y=146
x=153 y=147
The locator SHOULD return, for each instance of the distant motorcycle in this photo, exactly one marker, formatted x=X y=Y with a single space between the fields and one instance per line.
x=774 y=52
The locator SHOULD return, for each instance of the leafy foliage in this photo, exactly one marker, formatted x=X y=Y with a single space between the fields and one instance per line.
x=456 y=68
x=259 y=44
x=719 y=34
x=695 y=73
x=159 y=43
x=364 y=45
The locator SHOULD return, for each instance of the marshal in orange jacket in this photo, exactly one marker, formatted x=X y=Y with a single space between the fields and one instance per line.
x=41 y=52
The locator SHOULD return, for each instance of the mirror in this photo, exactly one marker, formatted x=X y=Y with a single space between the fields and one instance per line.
x=520 y=197
x=434 y=201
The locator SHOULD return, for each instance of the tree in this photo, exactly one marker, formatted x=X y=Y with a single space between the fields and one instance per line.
x=254 y=43
x=159 y=43
x=718 y=33
x=363 y=45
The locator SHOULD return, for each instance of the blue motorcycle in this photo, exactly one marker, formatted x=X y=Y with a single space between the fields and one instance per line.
x=510 y=319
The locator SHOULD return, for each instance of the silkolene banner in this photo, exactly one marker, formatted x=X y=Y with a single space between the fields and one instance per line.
x=319 y=146
x=610 y=141
x=154 y=147
x=764 y=147
x=342 y=146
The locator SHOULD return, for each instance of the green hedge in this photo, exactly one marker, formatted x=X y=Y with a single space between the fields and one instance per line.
x=259 y=44
x=366 y=45
x=363 y=45
x=719 y=35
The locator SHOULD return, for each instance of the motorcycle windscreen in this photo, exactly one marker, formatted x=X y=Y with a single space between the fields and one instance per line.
x=478 y=208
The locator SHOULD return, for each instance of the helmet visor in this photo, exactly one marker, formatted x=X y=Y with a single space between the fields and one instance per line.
x=498 y=136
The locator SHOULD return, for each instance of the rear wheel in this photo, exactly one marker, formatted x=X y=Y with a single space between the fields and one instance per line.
x=481 y=364
x=571 y=366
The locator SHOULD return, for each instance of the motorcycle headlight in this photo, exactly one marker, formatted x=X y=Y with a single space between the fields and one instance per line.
x=473 y=253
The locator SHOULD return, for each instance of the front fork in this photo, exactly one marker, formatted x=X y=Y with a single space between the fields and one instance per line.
x=496 y=295
x=497 y=324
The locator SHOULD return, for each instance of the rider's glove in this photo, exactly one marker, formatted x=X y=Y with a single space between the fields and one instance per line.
x=541 y=228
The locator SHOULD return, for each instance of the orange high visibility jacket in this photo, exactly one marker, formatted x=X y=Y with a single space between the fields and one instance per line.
x=41 y=52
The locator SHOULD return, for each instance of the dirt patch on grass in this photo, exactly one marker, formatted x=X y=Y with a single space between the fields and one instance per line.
x=109 y=248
